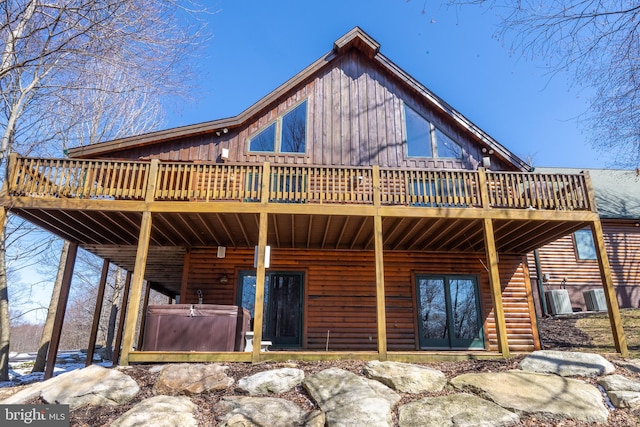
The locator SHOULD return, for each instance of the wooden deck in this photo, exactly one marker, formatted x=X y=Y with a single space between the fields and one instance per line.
x=215 y=182
x=309 y=356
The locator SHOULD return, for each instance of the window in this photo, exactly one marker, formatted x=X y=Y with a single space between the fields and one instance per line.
x=265 y=140
x=294 y=130
x=447 y=148
x=289 y=131
x=585 y=248
x=418 y=134
x=426 y=140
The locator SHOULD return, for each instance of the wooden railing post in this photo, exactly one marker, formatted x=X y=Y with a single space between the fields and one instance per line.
x=10 y=174
x=266 y=183
x=150 y=194
x=377 y=190
x=484 y=189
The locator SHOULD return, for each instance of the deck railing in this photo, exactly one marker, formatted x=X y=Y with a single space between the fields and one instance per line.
x=126 y=180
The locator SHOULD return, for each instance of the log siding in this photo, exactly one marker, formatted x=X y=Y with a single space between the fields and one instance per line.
x=559 y=260
x=340 y=293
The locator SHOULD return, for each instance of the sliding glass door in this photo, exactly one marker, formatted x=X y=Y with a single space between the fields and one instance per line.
x=449 y=312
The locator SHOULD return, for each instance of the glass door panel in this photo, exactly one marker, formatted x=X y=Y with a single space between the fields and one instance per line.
x=449 y=312
x=284 y=313
x=283 y=297
x=465 y=316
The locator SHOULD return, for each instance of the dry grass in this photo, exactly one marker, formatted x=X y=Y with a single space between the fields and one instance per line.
x=596 y=329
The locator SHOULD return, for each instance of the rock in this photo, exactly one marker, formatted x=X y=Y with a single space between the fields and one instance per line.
x=544 y=396
x=160 y=411
x=93 y=385
x=567 y=363
x=241 y=411
x=632 y=364
x=623 y=392
x=405 y=377
x=348 y=399
x=459 y=410
x=189 y=379
x=273 y=381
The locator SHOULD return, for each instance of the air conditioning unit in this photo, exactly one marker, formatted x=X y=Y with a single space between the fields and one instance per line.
x=595 y=300
x=558 y=301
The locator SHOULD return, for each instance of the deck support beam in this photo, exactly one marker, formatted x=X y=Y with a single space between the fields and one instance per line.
x=496 y=288
x=381 y=318
x=613 y=310
x=123 y=311
x=136 y=288
x=97 y=311
x=60 y=311
x=263 y=228
x=143 y=317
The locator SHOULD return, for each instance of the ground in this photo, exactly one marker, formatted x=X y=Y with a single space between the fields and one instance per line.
x=580 y=332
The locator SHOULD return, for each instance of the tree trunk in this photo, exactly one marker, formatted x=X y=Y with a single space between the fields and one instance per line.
x=43 y=348
x=5 y=322
x=113 y=315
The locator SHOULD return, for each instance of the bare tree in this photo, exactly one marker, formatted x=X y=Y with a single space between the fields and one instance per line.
x=598 y=42
x=95 y=69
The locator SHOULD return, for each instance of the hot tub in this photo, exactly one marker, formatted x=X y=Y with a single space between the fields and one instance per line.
x=195 y=327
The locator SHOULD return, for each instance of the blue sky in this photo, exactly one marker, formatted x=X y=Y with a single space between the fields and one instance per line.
x=258 y=45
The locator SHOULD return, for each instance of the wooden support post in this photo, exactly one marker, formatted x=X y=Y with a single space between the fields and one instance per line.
x=381 y=318
x=496 y=289
x=62 y=307
x=613 y=310
x=123 y=312
x=143 y=318
x=136 y=287
x=97 y=312
x=185 y=277
x=260 y=282
x=381 y=315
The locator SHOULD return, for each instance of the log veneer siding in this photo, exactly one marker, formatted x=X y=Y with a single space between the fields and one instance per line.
x=340 y=293
x=559 y=260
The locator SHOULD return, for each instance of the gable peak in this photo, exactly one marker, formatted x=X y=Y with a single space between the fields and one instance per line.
x=358 y=39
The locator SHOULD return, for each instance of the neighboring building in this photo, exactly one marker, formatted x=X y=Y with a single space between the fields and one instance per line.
x=397 y=229
x=571 y=262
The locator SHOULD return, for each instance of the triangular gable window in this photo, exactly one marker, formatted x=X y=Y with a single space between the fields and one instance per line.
x=426 y=140
x=288 y=134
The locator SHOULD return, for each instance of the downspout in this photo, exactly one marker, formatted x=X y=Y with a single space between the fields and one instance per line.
x=543 y=302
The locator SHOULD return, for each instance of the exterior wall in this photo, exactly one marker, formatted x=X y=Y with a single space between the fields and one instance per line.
x=559 y=260
x=340 y=293
x=355 y=118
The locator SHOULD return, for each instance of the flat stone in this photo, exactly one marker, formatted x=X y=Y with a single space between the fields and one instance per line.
x=242 y=411
x=459 y=410
x=348 y=399
x=190 y=379
x=160 y=411
x=93 y=385
x=406 y=377
x=623 y=392
x=273 y=381
x=544 y=396
x=631 y=364
x=567 y=363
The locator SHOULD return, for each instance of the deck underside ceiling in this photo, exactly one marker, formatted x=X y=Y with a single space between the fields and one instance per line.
x=113 y=235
